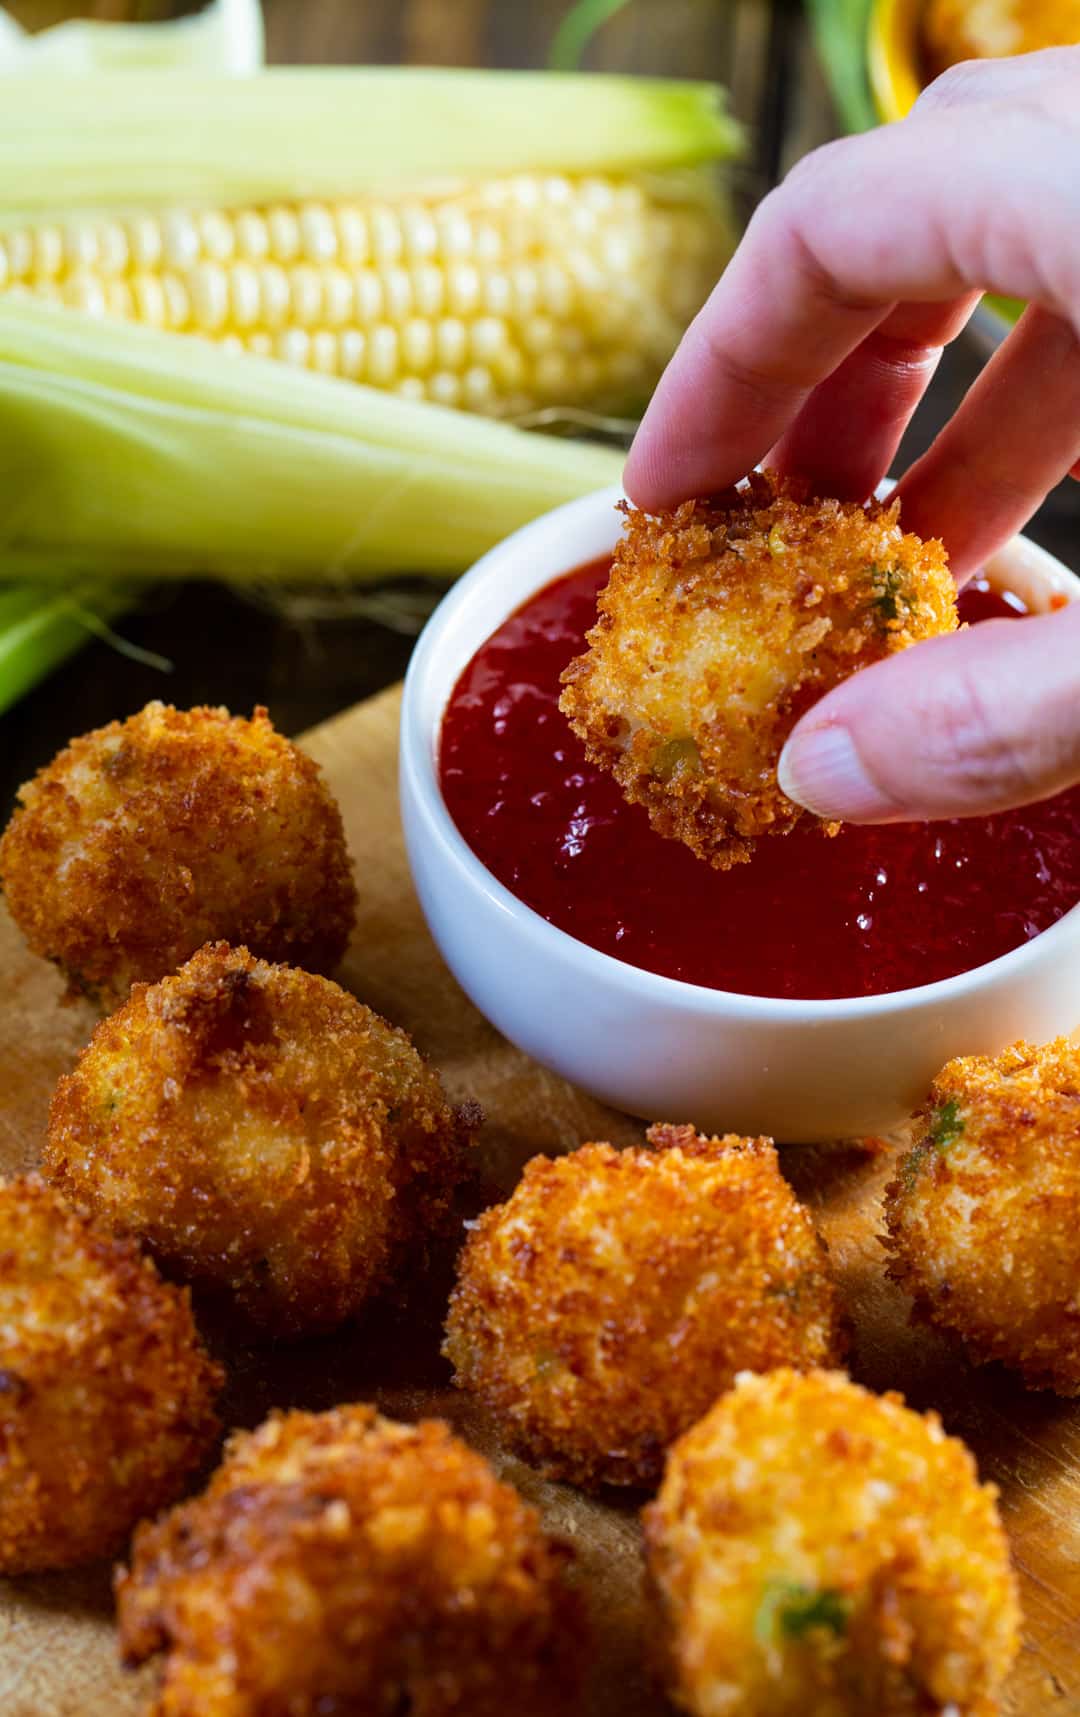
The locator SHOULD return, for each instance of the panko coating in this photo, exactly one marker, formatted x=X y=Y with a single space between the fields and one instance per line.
x=721 y=624
x=340 y=1562
x=106 y=1394
x=983 y=1217
x=818 y=1549
x=615 y=1295
x=955 y=30
x=264 y=1134
x=147 y=838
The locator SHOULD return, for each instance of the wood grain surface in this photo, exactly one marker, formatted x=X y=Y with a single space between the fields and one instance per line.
x=57 y=1653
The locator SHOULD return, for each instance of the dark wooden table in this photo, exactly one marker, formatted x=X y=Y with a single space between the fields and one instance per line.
x=226 y=649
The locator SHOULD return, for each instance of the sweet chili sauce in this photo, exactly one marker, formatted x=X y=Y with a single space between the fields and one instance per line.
x=874 y=909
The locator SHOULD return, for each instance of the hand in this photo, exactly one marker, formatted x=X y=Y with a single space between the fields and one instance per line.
x=812 y=354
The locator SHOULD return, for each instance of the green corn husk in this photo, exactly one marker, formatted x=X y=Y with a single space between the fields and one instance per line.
x=329 y=132
x=840 y=29
x=39 y=628
x=143 y=454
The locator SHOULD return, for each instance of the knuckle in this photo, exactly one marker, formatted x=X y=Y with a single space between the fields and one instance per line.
x=970 y=80
x=968 y=740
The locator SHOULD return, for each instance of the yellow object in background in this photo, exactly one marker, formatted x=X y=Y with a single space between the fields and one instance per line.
x=893 y=56
x=911 y=41
x=955 y=30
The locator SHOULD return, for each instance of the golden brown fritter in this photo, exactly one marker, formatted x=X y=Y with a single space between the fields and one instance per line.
x=955 y=30
x=722 y=623
x=984 y=1214
x=339 y=1562
x=616 y=1294
x=106 y=1394
x=818 y=1549
x=264 y=1134
x=151 y=836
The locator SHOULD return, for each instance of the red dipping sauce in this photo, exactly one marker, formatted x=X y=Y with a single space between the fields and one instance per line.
x=873 y=910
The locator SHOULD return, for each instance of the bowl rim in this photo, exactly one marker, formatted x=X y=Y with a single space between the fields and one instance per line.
x=419 y=750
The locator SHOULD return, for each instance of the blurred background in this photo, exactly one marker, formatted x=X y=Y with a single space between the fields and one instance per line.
x=314 y=654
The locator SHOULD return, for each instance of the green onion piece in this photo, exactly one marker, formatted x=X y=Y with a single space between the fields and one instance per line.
x=792 y=1611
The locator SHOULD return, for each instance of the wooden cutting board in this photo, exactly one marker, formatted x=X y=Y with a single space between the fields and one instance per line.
x=57 y=1653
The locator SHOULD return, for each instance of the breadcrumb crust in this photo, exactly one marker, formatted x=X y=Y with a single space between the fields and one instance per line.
x=264 y=1134
x=721 y=624
x=146 y=838
x=983 y=1216
x=606 y=1304
x=106 y=1393
x=815 y=1547
x=342 y=1562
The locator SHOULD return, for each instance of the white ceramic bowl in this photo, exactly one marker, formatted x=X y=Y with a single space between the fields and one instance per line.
x=799 y=1070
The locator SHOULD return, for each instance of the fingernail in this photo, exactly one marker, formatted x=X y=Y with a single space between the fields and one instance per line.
x=822 y=770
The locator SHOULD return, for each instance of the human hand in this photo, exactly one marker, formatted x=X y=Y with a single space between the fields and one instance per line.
x=811 y=356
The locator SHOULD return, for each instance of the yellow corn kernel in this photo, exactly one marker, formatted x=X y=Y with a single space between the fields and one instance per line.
x=503 y=297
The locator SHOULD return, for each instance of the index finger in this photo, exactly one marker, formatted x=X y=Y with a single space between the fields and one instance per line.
x=922 y=210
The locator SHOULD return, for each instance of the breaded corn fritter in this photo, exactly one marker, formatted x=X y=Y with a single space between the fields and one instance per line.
x=147 y=838
x=106 y=1394
x=613 y=1297
x=339 y=1562
x=266 y=1136
x=722 y=623
x=955 y=30
x=818 y=1549
x=983 y=1217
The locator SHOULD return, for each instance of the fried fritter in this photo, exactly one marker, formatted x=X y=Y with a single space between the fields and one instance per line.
x=722 y=623
x=616 y=1294
x=984 y=1214
x=816 y=1548
x=147 y=838
x=106 y=1394
x=955 y=30
x=339 y=1562
x=264 y=1134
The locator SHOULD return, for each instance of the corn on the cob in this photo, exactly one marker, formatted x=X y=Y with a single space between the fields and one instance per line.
x=509 y=296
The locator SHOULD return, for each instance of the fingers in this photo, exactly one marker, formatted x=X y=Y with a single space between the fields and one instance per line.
x=1015 y=436
x=955 y=727
x=924 y=211
x=846 y=435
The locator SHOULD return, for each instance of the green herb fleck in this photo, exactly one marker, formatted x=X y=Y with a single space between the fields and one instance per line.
x=674 y=756
x=792 y=1611
x=946 y=1126
x=889 y=594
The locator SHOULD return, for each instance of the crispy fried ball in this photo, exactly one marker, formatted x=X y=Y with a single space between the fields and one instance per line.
x=616 y=1294
x=818 y=1549
x=955 y=30
x=339 y=1562
x=984 y=1214
x=151 y=836
x=106 y=1395
x=721 y=624
x=264 y=1134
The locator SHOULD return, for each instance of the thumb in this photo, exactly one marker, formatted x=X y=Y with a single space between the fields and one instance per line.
x=954 y=727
